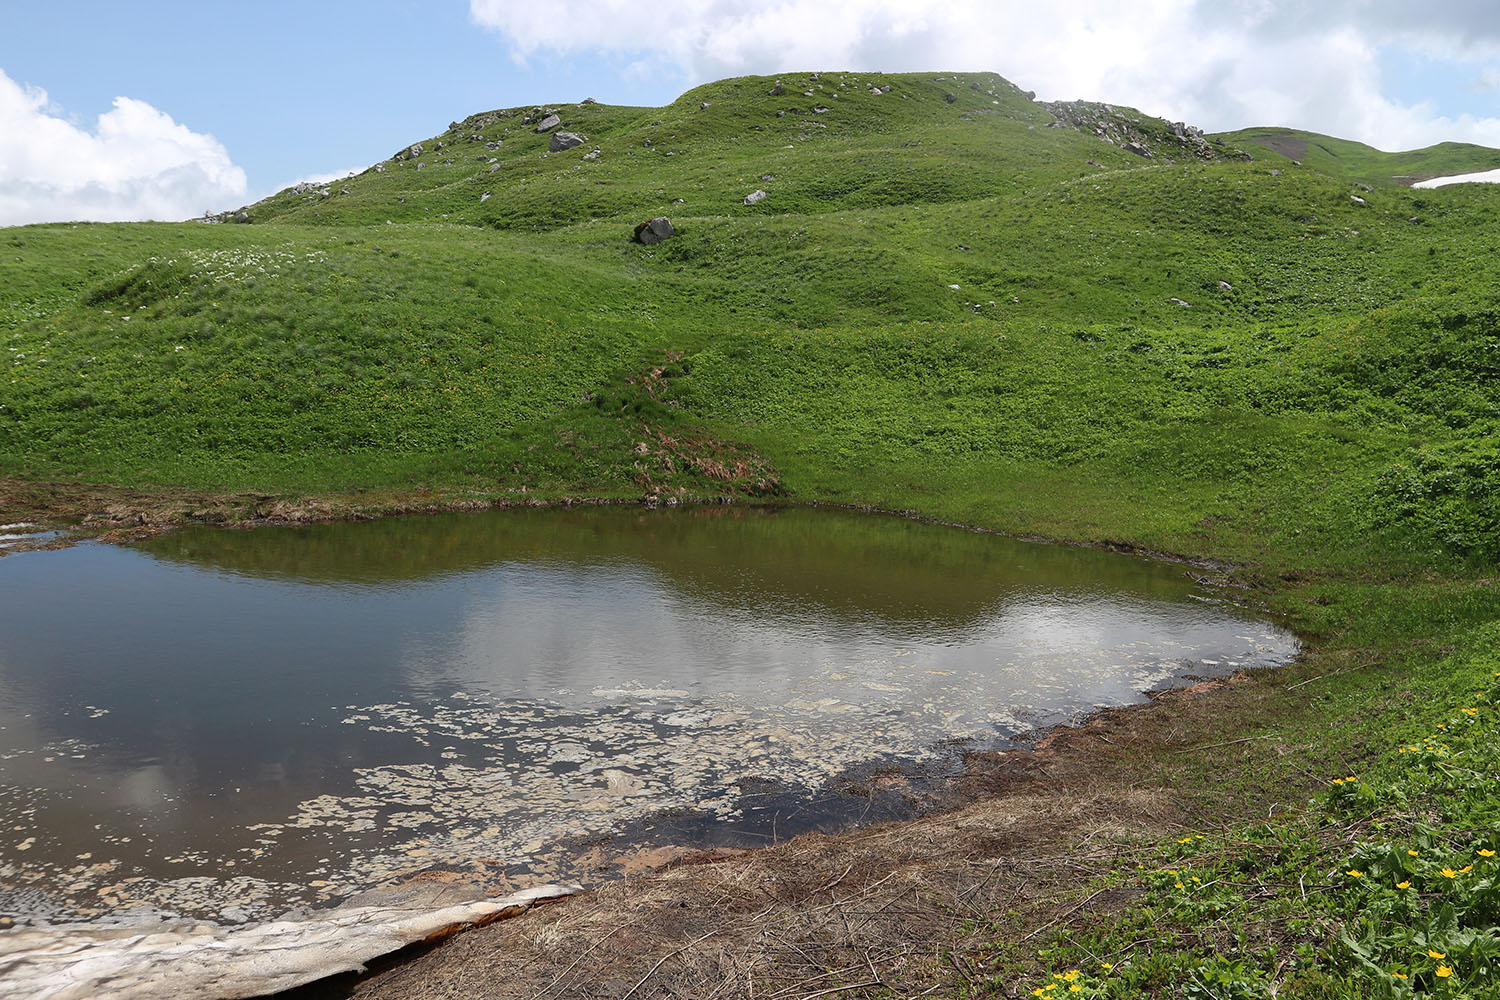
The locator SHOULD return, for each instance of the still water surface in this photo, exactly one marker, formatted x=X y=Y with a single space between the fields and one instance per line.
x=228 y=723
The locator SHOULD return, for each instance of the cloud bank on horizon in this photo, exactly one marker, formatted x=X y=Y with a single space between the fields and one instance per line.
x=1219 y=64
x=137 y=163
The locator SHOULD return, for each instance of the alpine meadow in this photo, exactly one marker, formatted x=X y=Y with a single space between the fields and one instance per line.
x=1261 y=353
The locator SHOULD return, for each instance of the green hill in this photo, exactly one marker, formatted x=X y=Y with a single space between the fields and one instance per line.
x=1359 y=162
x=840 y=141
x=1066 y=320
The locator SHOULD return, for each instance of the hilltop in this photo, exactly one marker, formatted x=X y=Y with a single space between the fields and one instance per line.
x=816 y=143
x=1066 y=320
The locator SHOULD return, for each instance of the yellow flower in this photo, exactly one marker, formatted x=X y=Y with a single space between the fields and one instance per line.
x=1469 y=711
x=1338 y=781
x=1486 y=853
x=1411 y=852
x=1351 y=778
x=1467 y=868
x=1179 y=885
x=1449 y=873
x=1442 y=972
x=1070 y=976
x=1185 y=840
x=1107 y=965
x=1197 y=879
x=1403 y=885
x=1399 y=975
x=1356 y=874
x=1038 y=993
x=1075 y=988
x=1436 y=954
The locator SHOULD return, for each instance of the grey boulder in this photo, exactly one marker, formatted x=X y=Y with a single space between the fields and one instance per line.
x=654 y=230
x=754 y=196
x=548 y=124
x=564 y=140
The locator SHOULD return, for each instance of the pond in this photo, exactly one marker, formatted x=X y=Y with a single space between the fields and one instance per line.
x=225 y=724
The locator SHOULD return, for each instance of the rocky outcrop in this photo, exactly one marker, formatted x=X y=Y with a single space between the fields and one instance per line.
x=754 y=196
x=1140 y=134
x=548 y=123
x=564 y=140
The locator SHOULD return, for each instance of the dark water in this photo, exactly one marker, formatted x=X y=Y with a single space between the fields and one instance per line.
x=225 y=723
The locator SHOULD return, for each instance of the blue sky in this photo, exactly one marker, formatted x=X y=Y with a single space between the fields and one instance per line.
x=224 y=103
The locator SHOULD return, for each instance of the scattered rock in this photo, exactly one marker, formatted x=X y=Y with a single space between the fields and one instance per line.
x=1137 y=148
x=1031 y=95
x=564 y=140
x=1364 y=187
x=548 y=124
x=950 y=98
x=410 y=152
x=1225 y=286
x=975 y=86
x=768 y=177
x=1179 y=302
x=592 y=154
x=493 y=169
x=1275 y=173
x=588 y=100
x=820 y=110
x=703 y=106
x=1296 y=163
x=954 y=287
x=380 y=168
x=777 y=90
x=1357 y=199
x=754 y=196
x=654 y=230
x=242 y=217
x=484 y=198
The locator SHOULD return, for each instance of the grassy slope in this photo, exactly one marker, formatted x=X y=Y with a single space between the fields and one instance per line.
x=1330 y=422
x=1359 y=162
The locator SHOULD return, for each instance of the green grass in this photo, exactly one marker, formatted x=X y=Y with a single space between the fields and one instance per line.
x=1323 y=413
x=1387 y=884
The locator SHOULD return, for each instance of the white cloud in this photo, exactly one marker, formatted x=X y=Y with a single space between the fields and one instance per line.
x=1220 y=64
x=137 y=164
